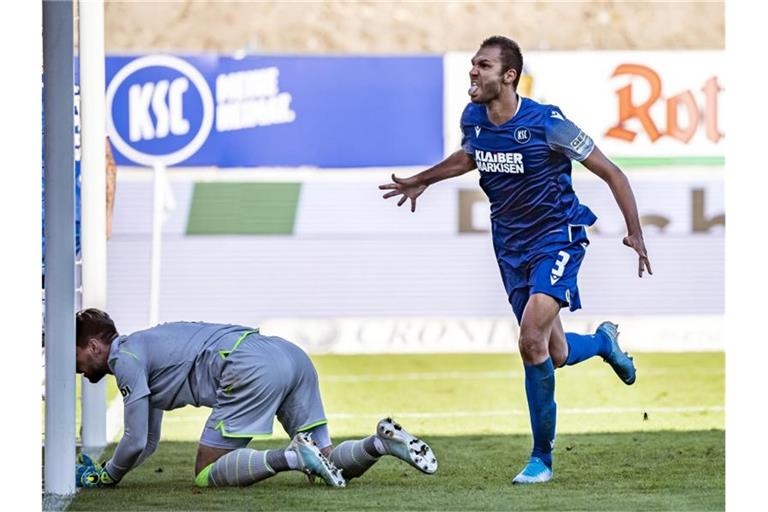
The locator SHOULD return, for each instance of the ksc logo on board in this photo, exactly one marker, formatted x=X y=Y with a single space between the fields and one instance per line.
x=159 y=110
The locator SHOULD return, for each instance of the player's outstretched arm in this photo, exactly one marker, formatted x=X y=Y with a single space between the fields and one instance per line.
x=128 y=453
x=599 y=164
x=133 y=442
x=153 y=436
x=410 y=188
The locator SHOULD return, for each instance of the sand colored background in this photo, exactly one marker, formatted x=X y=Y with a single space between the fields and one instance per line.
x=408 y=27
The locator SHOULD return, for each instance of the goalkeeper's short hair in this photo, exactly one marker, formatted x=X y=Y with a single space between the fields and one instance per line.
x=94 y=323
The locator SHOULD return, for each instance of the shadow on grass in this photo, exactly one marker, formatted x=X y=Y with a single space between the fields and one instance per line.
x=628 y=471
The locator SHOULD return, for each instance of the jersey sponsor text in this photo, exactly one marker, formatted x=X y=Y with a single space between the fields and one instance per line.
x=489 y=161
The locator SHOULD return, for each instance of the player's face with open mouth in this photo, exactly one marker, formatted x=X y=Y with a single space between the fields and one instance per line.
x=485 y=75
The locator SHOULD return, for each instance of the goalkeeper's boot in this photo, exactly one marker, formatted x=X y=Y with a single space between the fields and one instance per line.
x=621 y=362
x=535 y=472
x=312 y=462
x=404 y=446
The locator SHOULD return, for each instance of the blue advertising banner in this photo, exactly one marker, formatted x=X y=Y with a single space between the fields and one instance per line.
x=338 y=111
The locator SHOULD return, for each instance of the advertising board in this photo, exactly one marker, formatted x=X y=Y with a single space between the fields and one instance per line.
x=330 y=111
x=645 y=107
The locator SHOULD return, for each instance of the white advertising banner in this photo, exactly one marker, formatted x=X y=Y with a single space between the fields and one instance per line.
x=408 y=335
x=658 y=104
x=354 y=273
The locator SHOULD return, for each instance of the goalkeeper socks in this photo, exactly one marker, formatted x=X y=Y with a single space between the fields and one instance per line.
x=320 y=435
x=282 y=460
x=355 y=457
x=540 y=391
x=243 y=466
x=584 y=346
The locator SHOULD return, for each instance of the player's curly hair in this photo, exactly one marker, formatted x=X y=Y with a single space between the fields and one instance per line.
x=511 y=56
x=94 y=323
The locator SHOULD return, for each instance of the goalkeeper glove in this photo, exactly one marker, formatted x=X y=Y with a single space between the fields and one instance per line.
x=84 y=463
x=90 y=475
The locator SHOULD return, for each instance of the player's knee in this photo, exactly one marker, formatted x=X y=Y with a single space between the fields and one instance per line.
x=533 y=345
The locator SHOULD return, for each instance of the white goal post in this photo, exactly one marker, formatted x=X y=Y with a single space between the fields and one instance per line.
x=93 y=203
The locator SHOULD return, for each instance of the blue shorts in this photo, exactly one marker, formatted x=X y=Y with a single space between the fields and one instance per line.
x=550 y=268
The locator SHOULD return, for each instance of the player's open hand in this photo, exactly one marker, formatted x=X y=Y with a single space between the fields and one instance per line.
x=636 y=242
x=409 y=188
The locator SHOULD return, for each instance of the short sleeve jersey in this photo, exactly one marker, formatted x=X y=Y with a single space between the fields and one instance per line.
x=175 y=364
x=525 y=170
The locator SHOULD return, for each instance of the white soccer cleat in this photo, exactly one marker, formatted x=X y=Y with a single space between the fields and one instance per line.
x=313 y=462
x=399 y=443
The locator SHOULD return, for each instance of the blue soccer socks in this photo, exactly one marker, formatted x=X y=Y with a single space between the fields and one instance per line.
x=583 y=346
x=540 y=391
x=604 y=343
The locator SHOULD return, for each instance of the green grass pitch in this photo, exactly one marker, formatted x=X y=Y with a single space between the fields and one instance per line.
x=656 y=445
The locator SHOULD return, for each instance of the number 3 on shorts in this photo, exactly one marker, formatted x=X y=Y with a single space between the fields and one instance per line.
x=560 y=263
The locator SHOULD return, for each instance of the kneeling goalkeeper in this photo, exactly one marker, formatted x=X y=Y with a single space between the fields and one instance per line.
x=246 y=379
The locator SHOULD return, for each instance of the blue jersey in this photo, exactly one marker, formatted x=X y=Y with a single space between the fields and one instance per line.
x=525 y=170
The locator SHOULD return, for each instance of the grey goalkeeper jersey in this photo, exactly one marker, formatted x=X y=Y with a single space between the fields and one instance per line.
x=164 y=368
x=176 y=364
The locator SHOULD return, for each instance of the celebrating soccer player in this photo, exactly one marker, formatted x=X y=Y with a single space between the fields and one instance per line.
x=247 y=379
x=523 y=151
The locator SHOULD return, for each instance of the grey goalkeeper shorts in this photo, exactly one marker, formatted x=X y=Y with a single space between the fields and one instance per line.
x=264 y=377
